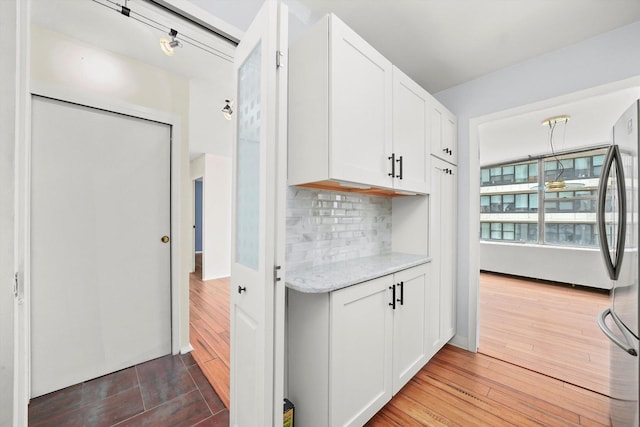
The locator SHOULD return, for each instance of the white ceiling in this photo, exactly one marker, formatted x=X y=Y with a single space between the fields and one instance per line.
x=591 y=124
x=439 y=43
x=443 y=43
x=96 y=23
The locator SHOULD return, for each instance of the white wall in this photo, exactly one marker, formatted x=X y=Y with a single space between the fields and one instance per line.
x=209 y=131
x=604 y=59
x=576 y=266
x=215 y=172
x=8 y=20
x=216 y=217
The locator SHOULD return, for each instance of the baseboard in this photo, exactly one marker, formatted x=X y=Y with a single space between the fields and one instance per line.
x=462 y=342
x=219 y=276
x=186 y=349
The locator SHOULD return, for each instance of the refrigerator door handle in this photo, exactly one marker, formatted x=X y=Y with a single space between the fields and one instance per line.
x=613 y=155
x=617 y=341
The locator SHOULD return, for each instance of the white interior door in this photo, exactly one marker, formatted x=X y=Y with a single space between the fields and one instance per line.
x=257 y=341
x=100 y=274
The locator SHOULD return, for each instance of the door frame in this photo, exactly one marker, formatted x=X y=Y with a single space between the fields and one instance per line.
x=23 y=352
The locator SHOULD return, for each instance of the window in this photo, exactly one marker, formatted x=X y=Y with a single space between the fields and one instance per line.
x=509 y=231
x=511 y=195
x=509 y=174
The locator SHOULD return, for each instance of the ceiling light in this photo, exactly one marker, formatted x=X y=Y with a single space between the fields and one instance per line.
x=552 y=121
x=558 y=183
x=167 y=45
x=227 y=110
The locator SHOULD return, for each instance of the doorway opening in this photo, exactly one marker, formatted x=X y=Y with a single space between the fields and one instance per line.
x=197 y=227
x=542 y=288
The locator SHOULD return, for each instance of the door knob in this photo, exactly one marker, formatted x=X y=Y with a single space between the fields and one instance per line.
x=165 y=239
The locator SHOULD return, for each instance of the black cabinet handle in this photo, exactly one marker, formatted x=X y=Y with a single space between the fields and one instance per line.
x=393 y=297
x=242 y=289
x=446 y=150
x=393 y=165
x=451 y=152
x=400 y=161
x=401 y=299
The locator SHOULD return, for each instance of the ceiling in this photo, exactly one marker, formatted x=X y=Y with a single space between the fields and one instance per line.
x=443 y=43
x=439 y=43
x=95 y=22
x=591 y=123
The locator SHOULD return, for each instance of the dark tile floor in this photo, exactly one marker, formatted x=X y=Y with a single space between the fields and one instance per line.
x=169 y=391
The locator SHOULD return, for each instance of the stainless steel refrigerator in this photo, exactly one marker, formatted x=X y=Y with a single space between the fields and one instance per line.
x=618 y=218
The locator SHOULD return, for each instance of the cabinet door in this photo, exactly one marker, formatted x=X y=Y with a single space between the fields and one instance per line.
x=443 y=127
x=361 y=328
x=442 y=249
x=409 y=323
x=360 y=109
x=449 y=256
x=411 y=108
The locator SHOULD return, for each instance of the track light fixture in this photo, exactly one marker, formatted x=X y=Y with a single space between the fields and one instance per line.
x=227 y=110
x=168 y=46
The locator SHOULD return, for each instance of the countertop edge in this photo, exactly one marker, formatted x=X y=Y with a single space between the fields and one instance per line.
x=363 y=278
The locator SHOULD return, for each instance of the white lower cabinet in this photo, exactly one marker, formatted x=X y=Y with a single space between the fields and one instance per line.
x=351 y=350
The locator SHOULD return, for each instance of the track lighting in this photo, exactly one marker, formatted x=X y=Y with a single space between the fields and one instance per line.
x=168 y=46
x=227 y=110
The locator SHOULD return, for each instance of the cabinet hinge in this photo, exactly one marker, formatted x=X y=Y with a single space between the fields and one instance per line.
x=276 y=268
x=279 y=56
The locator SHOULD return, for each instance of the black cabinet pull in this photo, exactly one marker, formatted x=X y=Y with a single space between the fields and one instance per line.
x=399 y=161
x=401 y=299
x=393 y=165
x=451 y=152
x=393 y=297
x=242 y=289
x=446 y=150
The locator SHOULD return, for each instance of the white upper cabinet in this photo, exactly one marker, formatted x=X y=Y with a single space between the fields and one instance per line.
x=411 y=109
x=360 y=90
x=342 y=125
x=444 y=133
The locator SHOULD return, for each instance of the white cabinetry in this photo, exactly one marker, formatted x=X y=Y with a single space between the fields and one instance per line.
x=341 y=122
x=360 y=345
x=410 y=324
x=442 y=249
x=350 y=350
x=444 y=139
x=411 y=109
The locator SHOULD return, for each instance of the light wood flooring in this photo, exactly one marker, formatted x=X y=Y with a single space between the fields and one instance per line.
x=209 y=327
x=548 y=328
x=456 y=388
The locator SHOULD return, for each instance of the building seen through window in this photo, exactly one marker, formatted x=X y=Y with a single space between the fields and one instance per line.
x=516 y=206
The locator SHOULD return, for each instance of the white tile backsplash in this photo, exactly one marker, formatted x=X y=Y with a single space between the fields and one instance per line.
x=328 y=226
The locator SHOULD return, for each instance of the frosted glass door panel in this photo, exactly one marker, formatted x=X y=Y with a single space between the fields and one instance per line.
x=248 y=162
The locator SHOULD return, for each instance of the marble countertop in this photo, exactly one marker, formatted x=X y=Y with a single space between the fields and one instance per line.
x=338 y=275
